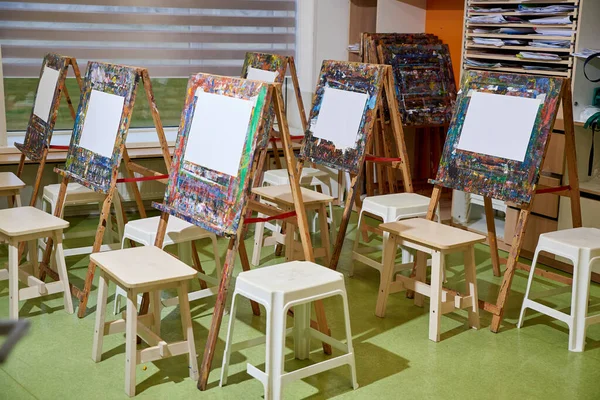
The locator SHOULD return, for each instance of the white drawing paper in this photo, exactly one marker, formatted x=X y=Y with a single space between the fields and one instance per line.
x=339 y=117
x=498 y=125
x=45 y=93
x=261 y=75
x=218 y=132
x=102 y=121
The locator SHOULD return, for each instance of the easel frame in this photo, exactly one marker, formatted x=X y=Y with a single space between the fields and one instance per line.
x=572 y=191
x=107 y=183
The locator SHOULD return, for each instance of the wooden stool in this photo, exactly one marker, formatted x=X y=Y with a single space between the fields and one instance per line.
x=23 y=224
x=313 y=201
x=10 y=186
x=139 y=270
x=428 y=237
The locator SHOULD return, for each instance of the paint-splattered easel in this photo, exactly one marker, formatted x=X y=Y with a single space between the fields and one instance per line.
x=36 y=145
x=99 y=172
x=507 y=179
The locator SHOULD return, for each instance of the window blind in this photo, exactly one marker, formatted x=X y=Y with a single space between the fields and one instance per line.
x=172 y=38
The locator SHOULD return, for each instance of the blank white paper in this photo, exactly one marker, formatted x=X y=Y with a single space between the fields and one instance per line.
x=498 y=125
x=218 y=132
x=340 y=116
x=102 y=121
x=261 y=75
x=45 y=93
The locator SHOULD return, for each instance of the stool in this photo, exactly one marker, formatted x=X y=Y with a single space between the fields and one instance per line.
x=139 y=270
x=79 y=195
x=311 y=177
x=428 y=237
x=281 y=196
x=27 y=224
x=388 y=208
x=182 y=234
x=10 y=186
x=278 y=288
x=581 y=246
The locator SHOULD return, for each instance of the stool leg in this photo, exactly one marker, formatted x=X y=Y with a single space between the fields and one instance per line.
x=471 y=286
x=156 y=307
x=437 y=266
x=188 y=331
x=529 y=282
x=61 y=269
x=13 y=279
x=325 y=233
x=18 y=200
x=228 y=342
x=357 y=236
x=349 y=340
x=100 y=317
x=275 y=350
x=420 y=275
x=33 y=257
x=579 y=305
x=386 y=276
x=301 y=331
x=259 y=232
x=130 y=342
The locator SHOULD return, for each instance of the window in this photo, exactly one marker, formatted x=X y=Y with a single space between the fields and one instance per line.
x=172 y=38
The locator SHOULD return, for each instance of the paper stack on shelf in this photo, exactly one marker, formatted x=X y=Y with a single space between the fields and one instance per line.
x=551 y=21
x=517 y=31
x=554 y=32
x=475 y=63
x=489 y=42
x=554 y=9
x=544 y=68
x=539 y=56
x=489 y=10
x=585 y=53
x=484 y=30
x=488 y=19
x=554 y=44
x=514 y=42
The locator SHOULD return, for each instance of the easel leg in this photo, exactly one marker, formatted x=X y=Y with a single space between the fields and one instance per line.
x=511 y=265
x=58 y=209
x=492 y=240
x=339 y=242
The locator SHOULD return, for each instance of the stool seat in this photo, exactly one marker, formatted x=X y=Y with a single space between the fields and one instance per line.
x=391 y=207
x=432 y=234
x=142 y=266
x=9 y=181
x=76 y=194
x=282 y=194
x=21 y=221
x=576 y=238
x=178 y=231
x=280 y=176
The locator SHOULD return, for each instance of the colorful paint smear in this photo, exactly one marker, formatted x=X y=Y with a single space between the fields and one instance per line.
x=370 y=42
x=349 y=76
x=82 y=165
x=424 y=82
x=39 y=132
x=204 y=197
x=500 y=178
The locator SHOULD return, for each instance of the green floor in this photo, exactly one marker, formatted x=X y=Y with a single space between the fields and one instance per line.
x=394 y=357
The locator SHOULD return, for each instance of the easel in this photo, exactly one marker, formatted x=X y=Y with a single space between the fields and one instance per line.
x=519 y=188
x=101 y=173
x=383 y=91
x=39 y=132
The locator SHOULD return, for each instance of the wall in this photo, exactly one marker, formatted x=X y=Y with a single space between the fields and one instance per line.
x=405 y=16
x=445 y=18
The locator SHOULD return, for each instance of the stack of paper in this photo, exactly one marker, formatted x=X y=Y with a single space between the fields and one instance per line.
x=539 y=56
x=554 y=44
x=554 y=32
x=545 y=68
x=514 y=42
x=475 y=63
x=483 y=30
x=517 y=31
x=488 y=41
x=488 y=19
x=585 y=53
x=555 y=9
x=551 y=21
x=489 y=10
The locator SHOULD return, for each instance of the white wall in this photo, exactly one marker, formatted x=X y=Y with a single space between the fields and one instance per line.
x=404 y=16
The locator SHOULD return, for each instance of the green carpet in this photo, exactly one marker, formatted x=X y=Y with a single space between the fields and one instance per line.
x=394 y=357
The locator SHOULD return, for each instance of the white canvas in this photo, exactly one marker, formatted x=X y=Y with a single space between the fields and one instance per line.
x=340 y=116
x=498 y=125
x=218 y=132
x=45 y=93
x=261 y=75
x=101 y=124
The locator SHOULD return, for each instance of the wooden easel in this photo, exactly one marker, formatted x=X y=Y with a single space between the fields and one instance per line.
x=531 y=182
x=386 y=96
x=100 y=173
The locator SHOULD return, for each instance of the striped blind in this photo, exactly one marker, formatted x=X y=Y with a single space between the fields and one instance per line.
x=172 y=38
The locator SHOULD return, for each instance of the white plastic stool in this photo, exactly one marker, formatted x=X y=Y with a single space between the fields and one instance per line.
x=581 y=246
x=388 y=208
x=278 y=288
x=10 y=186
x=311 y=177
x=27 y=224
x=78 y=195
x=182 y=234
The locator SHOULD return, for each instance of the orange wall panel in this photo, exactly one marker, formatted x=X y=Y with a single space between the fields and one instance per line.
x=445 y=18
